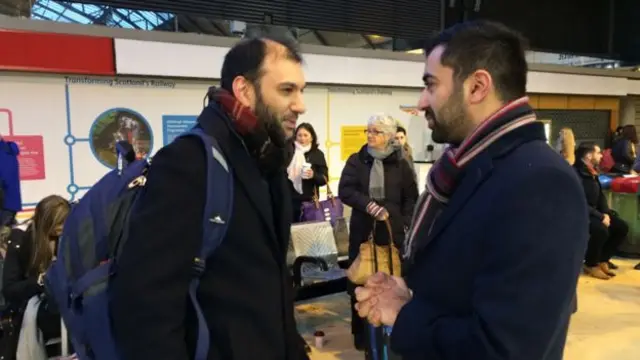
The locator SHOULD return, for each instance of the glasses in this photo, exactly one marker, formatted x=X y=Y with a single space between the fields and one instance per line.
x=373 y=132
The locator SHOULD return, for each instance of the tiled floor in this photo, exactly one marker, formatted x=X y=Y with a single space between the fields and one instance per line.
x=606 y=327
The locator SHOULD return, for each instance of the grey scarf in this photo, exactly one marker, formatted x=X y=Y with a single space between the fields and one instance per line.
x=376 y=177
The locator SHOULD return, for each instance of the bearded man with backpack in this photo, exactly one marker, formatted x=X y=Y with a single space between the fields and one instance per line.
x=184 y=257
x=245 y=293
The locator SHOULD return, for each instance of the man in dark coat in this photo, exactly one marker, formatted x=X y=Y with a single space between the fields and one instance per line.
x=607 y=230
x=501 y=206
x=245 y=291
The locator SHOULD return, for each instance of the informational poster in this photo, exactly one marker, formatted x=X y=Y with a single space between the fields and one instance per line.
x=174 y=125
x=352 y=138
x=120 y=124
x=31 y=157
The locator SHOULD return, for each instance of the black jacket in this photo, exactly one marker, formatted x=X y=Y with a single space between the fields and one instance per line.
x=596 y=199
x=401 y=192
x=245 y=292
x=316 y=158
x=622 y=152
x=17 y=286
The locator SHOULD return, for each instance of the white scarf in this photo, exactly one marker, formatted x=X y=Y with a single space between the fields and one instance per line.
x=30 y=343
x=295 y=166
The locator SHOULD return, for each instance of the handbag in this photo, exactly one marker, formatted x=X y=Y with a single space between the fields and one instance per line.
x=341 y=235
x=325 y=210
x=373 y=258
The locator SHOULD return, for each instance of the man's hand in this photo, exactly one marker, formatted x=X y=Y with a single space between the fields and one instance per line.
x=382 y=298
x=606 y=220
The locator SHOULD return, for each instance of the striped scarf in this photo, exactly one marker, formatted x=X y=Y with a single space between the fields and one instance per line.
x=444 y=176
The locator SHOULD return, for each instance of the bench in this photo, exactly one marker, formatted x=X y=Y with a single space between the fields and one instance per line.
x=316 y=260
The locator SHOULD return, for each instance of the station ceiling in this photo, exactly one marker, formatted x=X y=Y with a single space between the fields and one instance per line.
x=112 y=16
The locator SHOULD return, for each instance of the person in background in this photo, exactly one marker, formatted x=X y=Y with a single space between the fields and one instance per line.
x=402 y=140
x=607 y=230
x=9 y=182
x=246 y=290
x=623 y=150
x=566 y=145
x=307 y=170
x=29 y=255
x=616 y=135
x=378 y=184
x=500 y=204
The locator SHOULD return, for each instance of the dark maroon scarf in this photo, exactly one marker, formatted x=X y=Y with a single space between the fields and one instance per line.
x=270 y=152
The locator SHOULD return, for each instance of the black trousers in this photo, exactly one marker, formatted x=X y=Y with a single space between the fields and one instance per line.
x=604 y=241
x=296 y=205
x=357 y=323
x=49 y=322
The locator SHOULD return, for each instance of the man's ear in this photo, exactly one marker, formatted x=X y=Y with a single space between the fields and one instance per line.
x=244 y=91
x=480 y=85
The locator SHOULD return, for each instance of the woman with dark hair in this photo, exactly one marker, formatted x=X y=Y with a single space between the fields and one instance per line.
x=623 y=150
x=29 y=255
x=402 y=141
x=307 y=170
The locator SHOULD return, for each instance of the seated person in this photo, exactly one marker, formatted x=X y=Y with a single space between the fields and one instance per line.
x=28 y=256
x=606 y=229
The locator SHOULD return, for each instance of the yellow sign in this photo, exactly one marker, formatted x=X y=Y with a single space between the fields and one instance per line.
x=351 y=140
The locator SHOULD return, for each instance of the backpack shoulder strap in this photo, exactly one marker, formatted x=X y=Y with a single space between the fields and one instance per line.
x=217 y=212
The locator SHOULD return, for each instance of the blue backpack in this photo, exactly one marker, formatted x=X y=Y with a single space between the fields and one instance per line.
x=93 y=238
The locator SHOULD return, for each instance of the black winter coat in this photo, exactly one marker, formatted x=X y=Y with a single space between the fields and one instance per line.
x=316 y=158
x=246 y=291
x=17 y=287
x=401 y=192
x=596 y=199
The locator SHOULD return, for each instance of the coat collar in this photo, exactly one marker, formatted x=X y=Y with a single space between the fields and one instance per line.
x=261 y=192
x=478 y=171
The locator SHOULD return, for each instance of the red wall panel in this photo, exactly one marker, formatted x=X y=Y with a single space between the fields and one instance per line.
x=56 y=53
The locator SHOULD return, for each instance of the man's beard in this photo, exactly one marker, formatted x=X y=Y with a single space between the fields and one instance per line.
x=270 y=149
x=271 y=121
x=449 y=121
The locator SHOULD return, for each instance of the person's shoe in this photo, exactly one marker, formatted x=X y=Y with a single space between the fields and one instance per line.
x=596 y=272
x=605 y=268
x=637 y=267
x=612 y=266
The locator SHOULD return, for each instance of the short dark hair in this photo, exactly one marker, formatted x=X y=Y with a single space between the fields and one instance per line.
x=401 y=129
x=585 y=148
x=312 y=131
x=487 y=45
x=246 y=59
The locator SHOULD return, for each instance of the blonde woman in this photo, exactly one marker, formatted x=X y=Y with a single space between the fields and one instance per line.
x=29 y=255
x=566 y=145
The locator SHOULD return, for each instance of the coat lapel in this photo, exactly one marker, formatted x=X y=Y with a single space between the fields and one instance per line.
x=474 y=175
x=478 y=170
x=246 y=172
x=283 y=210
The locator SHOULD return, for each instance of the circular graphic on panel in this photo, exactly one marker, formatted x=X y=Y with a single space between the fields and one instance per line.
x=116 y=125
